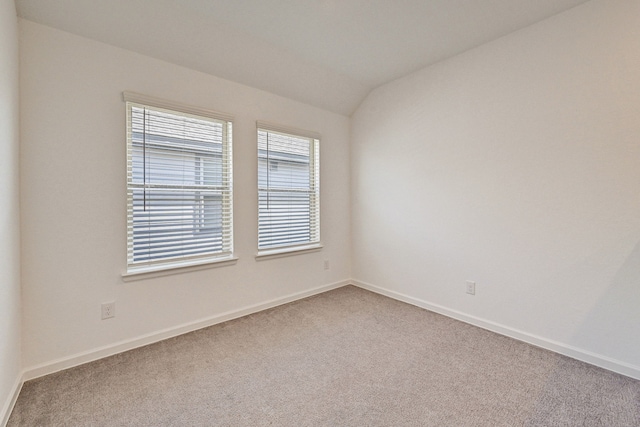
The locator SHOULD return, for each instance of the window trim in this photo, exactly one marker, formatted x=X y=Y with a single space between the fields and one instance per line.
x=288 y=251
x=264 y=125
x=151 y=101
x=177 y=269
x=299 y=248
x=174 y=266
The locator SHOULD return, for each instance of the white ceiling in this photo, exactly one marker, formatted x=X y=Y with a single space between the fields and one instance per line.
x=328 y=53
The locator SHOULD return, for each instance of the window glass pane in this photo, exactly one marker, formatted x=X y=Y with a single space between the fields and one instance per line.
x=179 y=187
x=288 y=191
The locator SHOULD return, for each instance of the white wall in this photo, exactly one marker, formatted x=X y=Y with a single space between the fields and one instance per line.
x=74 y=201
x=515 y=165
x=9 y=209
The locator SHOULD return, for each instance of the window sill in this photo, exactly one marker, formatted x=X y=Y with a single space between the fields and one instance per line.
x=284 y=252
x=151 y=272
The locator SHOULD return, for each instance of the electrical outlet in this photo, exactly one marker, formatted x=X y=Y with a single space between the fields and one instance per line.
x=326 y=264
x=471 y=287
x=108 y=310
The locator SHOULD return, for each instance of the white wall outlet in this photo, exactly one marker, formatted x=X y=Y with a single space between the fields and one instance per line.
x=108 y=310
x=471 y=287
x=326 y=264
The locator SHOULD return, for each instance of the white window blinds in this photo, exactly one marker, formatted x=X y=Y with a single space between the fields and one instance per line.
x=288 y=189
x=179 y=188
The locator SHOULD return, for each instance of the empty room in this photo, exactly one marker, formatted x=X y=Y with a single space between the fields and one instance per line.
x=320 y=213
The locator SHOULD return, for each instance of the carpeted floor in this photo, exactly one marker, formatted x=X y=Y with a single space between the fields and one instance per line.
x=347 y=357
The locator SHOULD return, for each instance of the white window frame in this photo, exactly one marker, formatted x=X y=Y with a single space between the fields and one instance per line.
x=314 y=242
x=181 y=262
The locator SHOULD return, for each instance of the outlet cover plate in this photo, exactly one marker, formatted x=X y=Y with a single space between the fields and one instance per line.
x=471 y=287
x=108 y=310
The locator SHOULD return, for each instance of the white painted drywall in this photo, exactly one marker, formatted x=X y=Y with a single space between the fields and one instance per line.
x=74 y=202
x=9 y=208
x=515 y=165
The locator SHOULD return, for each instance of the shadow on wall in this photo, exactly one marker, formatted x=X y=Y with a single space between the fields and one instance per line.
x=576 y=393
x=620 y=305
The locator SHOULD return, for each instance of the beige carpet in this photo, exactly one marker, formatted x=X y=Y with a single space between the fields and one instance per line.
x=344 y=358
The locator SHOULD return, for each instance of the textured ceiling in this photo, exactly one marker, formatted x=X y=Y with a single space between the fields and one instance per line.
x=327 y=53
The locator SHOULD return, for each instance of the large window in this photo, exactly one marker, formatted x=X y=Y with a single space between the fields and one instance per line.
x=288 y=189
x=179 y=186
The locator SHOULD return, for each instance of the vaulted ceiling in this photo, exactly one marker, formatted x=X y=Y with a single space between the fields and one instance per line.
x=327 y=53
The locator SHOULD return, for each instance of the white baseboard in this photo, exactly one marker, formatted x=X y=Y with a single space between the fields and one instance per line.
x=11 y=401
x=601 y=361
x=122 y=346
x=623 y=368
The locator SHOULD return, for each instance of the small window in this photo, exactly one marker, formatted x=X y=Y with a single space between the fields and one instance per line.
x=179 y=188
x=288 y=189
